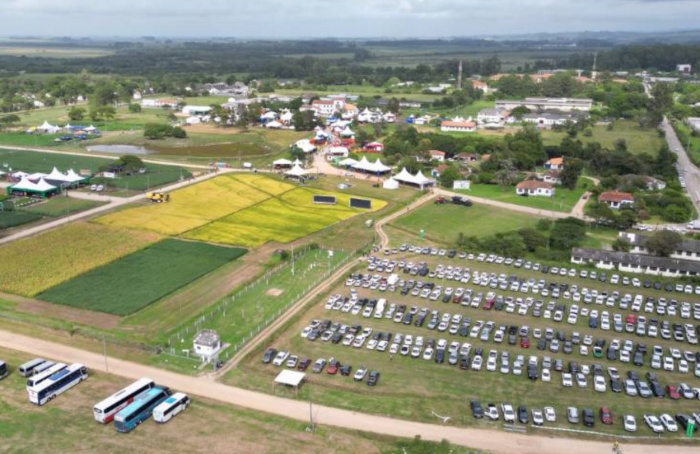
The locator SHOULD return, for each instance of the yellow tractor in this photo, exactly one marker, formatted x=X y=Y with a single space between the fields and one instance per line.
x=158 y=197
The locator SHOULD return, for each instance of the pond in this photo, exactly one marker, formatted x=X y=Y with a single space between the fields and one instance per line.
x=119 y=149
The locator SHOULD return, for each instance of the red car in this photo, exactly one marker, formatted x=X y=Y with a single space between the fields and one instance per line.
x=672 y=392
x=488 y=304
x=605 y=415
x=333 y=366
x=524 y=342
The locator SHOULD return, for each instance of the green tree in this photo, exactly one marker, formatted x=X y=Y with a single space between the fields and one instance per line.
x=76 y=113
x=448 y=176
x=621 y=245
x=304 y=121
x=664 y=242
x=571 y=173
x=533 y=239
x=134 y=107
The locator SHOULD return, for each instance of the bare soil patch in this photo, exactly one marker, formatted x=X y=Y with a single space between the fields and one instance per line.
x=71 y=314
x=274 y=292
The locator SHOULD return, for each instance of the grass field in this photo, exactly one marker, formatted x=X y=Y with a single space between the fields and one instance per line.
x=477 y=220
x=32 y=265
x=26 y=428
x=281 y=219
x=638 y=140
x=563 y=200
x=134 y=281
x=199 y=204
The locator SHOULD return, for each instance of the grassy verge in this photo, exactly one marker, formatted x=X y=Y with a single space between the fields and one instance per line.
x=638 y=140
x=477 y=220
x=564 y=200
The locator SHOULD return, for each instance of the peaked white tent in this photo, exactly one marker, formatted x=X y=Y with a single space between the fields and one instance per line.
x=347 y=132
x=286 y=117
x=43 y=186
x=56 y=175
x=297 y=162
x=74 y=177
x=274 y=124
x=373 y=167
x=25 y=185
x=296 y=172
x=418 y=179
x=90 y=128
x=48 y=128
x=305 y=145
x=390 y=184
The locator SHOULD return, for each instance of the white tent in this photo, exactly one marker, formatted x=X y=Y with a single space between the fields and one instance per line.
x=90 y=128
x=347 y=132
x=19 y=174
x=48 y=128
x=74 y=177
x=291 y=378
x=305 y=145
x=25 y=185
x=44 y=186
x=193 y=120
x=282 y=162
x=378 y=167
x=270 y=115
x=297 y=162
x=296 y=171
x=286 y=117
x=56 y=175
x=36 y=176
x=390 y=184
x=338 y=151
x=348 y=162
x=274 y=124
x=418 y=179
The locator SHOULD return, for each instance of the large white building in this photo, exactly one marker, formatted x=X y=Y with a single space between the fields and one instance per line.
x=563 y=104
x=635 y=263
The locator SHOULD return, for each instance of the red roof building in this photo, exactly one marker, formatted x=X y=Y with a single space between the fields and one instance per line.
x=615 y=199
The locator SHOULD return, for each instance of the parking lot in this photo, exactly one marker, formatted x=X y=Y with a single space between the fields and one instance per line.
x=462 y=328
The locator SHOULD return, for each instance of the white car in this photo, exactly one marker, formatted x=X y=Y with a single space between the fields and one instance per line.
x=669 y=364
x=360 y=374
x=477 y=362
x=508 y=413
x=305 y=332
x=669 y=423
x=630 y=387
x=491 y=365
x=630 y=423
x=537 y=417
x=549 y=414
x=428 y=354
x=546 y=375
x=654 y=424
x=581 y=380
x=599 y=384
x=566 y=380
x=280 y=358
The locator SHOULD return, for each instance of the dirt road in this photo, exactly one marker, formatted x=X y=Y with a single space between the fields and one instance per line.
x=500 y=442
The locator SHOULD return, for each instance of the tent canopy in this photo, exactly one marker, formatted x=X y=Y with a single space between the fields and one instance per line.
x=418 y=179
x=374 y=167
x=296 y=171
x=290 y=378
x=348 y=162
x=390 y=184
x=282 y=162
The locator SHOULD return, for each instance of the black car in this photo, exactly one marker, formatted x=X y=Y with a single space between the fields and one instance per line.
x=542 y=344
x=573 y=367
x=612 y=354
x=464 y=362
x=477 y=409
x=463 y=330
x=638 y=359
x=668 y=287
x=633 y=375
x=615 y=385
x=544 y=269
x=593 y=322
x=440 y=356
x=523 y=415
x=657 y=285
x=588 y=418
x=657 y=389
x=558 y=365
x=532 y=372
x=647 y=284
x=373 y=378
x=269 y=355
x=683 y=421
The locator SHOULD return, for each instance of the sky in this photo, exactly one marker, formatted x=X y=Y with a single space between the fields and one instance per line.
x=339 y=18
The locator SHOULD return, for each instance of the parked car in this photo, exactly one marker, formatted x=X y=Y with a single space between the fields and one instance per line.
x=572 y=415
x=549 y=414
x=318 y=366
x=630 y=423
x=373 y=378
x=588 y=418
x=606 y=416
x=269 y=355
x=654 y=423
x=477 y=410
x=360 y=374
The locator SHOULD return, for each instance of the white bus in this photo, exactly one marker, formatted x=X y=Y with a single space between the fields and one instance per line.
x=56 y=384
x=27 y=369
x=379 y=310
x=173 y=405
x=41 y=376
x=104 y=411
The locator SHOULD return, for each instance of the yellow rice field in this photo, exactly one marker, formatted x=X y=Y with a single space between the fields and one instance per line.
x=292 y=215
x=199 y=204
x=32 y=265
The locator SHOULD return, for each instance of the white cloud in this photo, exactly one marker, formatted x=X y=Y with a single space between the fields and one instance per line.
x=287 y=18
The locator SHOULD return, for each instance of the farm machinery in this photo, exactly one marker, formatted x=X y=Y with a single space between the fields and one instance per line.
x=158 y=197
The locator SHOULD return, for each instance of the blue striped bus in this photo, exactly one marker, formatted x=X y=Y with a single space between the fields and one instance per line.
x=140 y=409
x=56 y=384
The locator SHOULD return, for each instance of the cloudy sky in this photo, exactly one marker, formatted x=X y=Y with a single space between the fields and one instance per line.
x=339 y=18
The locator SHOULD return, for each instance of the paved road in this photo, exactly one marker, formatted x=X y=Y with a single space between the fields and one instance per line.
x=490 y=440
x=686 y=168
x=113 y=203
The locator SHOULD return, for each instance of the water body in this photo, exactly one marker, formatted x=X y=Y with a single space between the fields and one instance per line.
x=119 y=149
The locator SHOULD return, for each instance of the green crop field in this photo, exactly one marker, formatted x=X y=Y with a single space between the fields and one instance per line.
x=61 y=206
x=16 y=218
x=133 y=282
x=564 y=200
x=443 y=223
